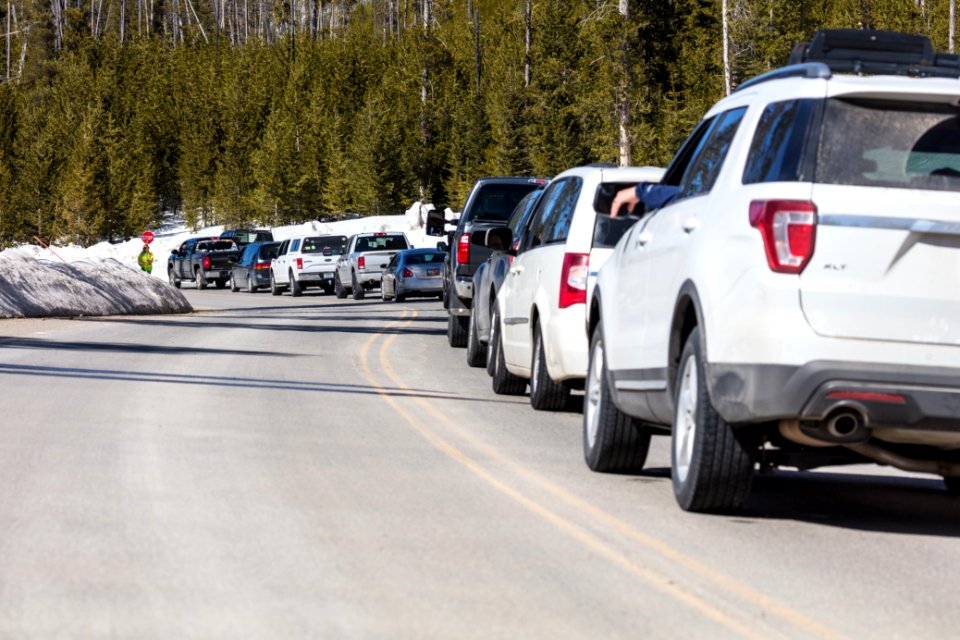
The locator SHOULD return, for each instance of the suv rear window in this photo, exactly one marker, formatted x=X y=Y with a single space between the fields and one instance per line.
x=333 y=245
x=889 y=143
x=497 y=201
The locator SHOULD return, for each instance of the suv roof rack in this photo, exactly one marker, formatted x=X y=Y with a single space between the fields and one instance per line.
x=876 y=53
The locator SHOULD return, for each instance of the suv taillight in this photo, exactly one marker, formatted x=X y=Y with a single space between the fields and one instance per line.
x=361 y=263
x=299 y=264
x=573 y=279
x=206 y=263
x=463 y=249
x=789 y=231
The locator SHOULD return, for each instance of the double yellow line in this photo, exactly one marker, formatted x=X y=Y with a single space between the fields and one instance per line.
x=768 y=606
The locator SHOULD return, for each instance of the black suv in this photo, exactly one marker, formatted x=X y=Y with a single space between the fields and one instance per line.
x=490 y=203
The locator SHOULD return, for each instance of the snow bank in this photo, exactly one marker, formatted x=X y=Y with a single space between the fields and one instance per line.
x=38 y=288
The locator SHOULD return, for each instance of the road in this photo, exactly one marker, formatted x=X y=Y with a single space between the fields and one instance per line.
x=274 y=467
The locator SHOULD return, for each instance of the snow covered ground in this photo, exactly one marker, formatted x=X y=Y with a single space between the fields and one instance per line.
x=105 y=280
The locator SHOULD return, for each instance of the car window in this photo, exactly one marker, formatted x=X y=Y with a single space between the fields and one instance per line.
x=215 y=245
x=542 y=220
x=327 y=245
x=497 y=201
x=890 y=143
x=778 y=150
x=689 y=150
x=381 y=243
x=426 y=258
x=269 y=251
x=295 y=245
x=707 y=161
x=558 y=226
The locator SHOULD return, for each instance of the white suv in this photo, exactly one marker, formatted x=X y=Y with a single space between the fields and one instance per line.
x=306 y=261
x=539 y=316
x=797 y=302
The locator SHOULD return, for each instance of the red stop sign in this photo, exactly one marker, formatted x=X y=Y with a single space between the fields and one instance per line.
x=147 y=237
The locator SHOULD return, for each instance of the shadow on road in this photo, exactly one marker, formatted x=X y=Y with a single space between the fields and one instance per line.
x=243 y=383
x=130 y=347
x=317 y=326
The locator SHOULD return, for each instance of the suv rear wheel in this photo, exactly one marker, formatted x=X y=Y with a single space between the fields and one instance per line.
x=457 y=331
x=612 y=441
x=712 y=465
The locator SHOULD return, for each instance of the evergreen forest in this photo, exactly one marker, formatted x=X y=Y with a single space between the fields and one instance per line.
x=114 y=113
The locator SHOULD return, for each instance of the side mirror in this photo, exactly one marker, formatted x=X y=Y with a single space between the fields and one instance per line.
x=442 y=246
x=498 y=239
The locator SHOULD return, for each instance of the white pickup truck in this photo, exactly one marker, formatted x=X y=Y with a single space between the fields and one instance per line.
x=361 y=266
x=306 y=261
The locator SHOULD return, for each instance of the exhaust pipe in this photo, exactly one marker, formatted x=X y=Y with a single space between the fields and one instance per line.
x=887 y=457
x=844 y=425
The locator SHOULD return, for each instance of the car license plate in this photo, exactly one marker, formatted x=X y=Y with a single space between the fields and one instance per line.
x=433 y=273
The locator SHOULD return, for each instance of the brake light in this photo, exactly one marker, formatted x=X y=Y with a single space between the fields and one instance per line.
x=299 y=264
x=573 y=279
x=361 y=263
x=406 y=273
x=789 y=231
x=261 y=265
x=867 y=396
x=463 y=249
x=206 y=263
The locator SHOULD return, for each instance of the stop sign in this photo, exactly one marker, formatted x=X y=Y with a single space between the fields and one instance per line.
x=147 y=237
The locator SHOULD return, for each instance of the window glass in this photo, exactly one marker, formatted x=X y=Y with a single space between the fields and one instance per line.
x=269 y=251
x=890 y=144
x=327 y=245
x=497 y=201
x=295 y=245
x=777 y=150
x=558 y=227
x=426 y=258
x=707 y=161
x=691 y=146
x=381 y=243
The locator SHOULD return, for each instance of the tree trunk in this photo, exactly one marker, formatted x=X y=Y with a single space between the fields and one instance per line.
x=527 y=41
x=953 y=26
x=476 y=39
x=727 y=75
x=624 y=91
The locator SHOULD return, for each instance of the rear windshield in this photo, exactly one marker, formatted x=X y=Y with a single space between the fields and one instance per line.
x=496 y=202
x=425 y=258
x=246 y=237
x=327 y=245
x=382 y=243
x=215 y=245
x=890 y=144
x=269 y=251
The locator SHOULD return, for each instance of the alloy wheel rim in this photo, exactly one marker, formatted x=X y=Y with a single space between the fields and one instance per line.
x=685 y=420
x=593 y=394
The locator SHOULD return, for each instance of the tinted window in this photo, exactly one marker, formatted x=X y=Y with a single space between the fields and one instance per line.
x=327 y=245
x=425 y=258
x=691 y=146
x=542 y=216
x=215 y=245
x=522 y=213
x=707 y=161
x=295 y=245
x=565 y=205
x=381 y=243
x=497 y=201
x=269 y=251
x=777 y=150
x=890 y=144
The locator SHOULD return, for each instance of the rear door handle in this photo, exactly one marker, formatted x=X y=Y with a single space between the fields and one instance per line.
x=516 y=271
x=643 y=238
x=690 y=225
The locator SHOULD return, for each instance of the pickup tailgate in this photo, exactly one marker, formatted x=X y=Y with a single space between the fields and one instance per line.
x=374 y=261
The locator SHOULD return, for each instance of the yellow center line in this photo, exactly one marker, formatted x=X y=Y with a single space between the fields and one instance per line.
x=658 y=580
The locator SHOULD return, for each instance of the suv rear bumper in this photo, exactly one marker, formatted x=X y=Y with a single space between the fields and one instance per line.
x=886 y=396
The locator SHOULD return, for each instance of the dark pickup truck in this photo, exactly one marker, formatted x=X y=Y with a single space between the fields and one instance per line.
x=203 y=260
x=489 y=205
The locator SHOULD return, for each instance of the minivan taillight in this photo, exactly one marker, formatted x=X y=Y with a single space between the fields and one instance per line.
x=361 y=263
x=573 y=279
x=789 y=231
x=463 y=249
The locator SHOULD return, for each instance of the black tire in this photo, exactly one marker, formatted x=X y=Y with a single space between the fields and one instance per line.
x=712 y=462
x=251 y=287
x=338 y=288
x=612 y=441
x=400 y=297
x=457 y=331
x=504 y=382
x=476 y=354
x=275 y=289
x=295 y=289
x=174 y=280
x=233 y=284
x=952 y=484
x=545 y=394
x=200 y=279
x=356 y=289
x=492 y=340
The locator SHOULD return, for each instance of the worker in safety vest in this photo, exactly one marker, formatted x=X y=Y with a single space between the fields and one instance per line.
x=145 y=259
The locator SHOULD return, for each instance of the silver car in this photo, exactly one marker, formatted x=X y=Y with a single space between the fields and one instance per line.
x=413 y=272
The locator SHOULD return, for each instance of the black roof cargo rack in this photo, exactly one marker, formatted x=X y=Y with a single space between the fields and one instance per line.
x=876 y=53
